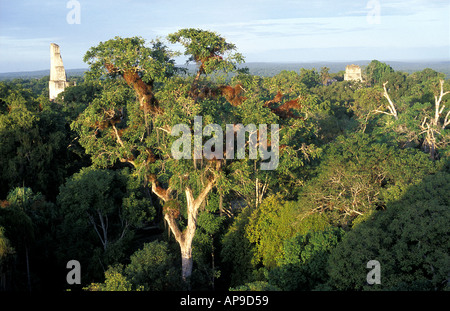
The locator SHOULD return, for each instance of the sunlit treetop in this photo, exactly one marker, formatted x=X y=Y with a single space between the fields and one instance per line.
x=139 y=65
x=120 y=56
x=209 y=50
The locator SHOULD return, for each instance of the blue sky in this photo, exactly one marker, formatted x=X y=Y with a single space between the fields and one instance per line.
x=263 y=30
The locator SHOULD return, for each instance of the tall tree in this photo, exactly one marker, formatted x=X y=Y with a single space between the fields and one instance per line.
x=20 y=229
x=114 y=127
x=375 y=71
x=432 y=126
x=208 y=50
x=310 y=77
x=325 y=75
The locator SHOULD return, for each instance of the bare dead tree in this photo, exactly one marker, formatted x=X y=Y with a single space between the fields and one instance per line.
x=438 y=109
x=391 y=107
x=432 y=127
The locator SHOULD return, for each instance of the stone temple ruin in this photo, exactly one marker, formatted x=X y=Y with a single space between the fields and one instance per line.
x=58 y=81
x=353 y=72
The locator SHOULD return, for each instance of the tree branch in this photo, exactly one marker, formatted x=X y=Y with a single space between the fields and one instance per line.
x=446 y=120
x=391 y=106
x=124 y=230
x=163 y=194
x=438 y=109
x=119 y=140
x=104 y=228
x=91 y=219
x=174 y=228
x=202 y=196
x=379 y=111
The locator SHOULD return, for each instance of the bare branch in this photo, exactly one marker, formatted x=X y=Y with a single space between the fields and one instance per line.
x=379 y=111
x=160 y=192
x=174 y=227
x=163 y=129
x=422 y=125
x=91 y=220
x=446 y=120
x=201 y=197
x=104 y=228
x=119 y=140
x=391 y=104
x=438 y=109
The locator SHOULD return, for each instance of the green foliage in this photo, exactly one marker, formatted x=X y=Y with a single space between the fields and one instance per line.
x=97 y=136
x=76 y=98
x=269 y=225
x=310 y=78
x=114 y=281
x=409 y=239
x=275 y=221
x=359 y=174
x=376 y=72
x=101 y=210
x=28 y=229
x=5 y=247
x=17 y=216
x=206 y=244
x=366 y=101
x=207 y=49
x=126 y=54
x=152 y=268
x=34 y=143
x=303 y=264
x=237 y=251
x=40 y=212
x=324 y=75
x=256 y=286
x=333 y=115
x=18 y=236
x=97 y=157
x=289 y=83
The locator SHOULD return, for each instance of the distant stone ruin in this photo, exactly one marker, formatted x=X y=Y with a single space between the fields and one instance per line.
x=58 y=81
x=352 y=72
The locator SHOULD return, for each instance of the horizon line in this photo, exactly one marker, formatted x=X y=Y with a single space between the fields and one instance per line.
x=418 y=61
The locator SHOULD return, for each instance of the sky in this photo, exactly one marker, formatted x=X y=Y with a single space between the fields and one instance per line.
x=263 y=30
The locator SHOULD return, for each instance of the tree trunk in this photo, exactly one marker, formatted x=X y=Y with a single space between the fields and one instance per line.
x=144 y=91
x=391 y=106
x=28 y=269
x=189 y=232
x=186 y=260
x=185 y=238
x=437 y=104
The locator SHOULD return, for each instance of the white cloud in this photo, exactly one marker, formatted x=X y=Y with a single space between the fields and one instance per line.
x=19 y=54
x=25 y=43
x=428 y=28
x=256 y=26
